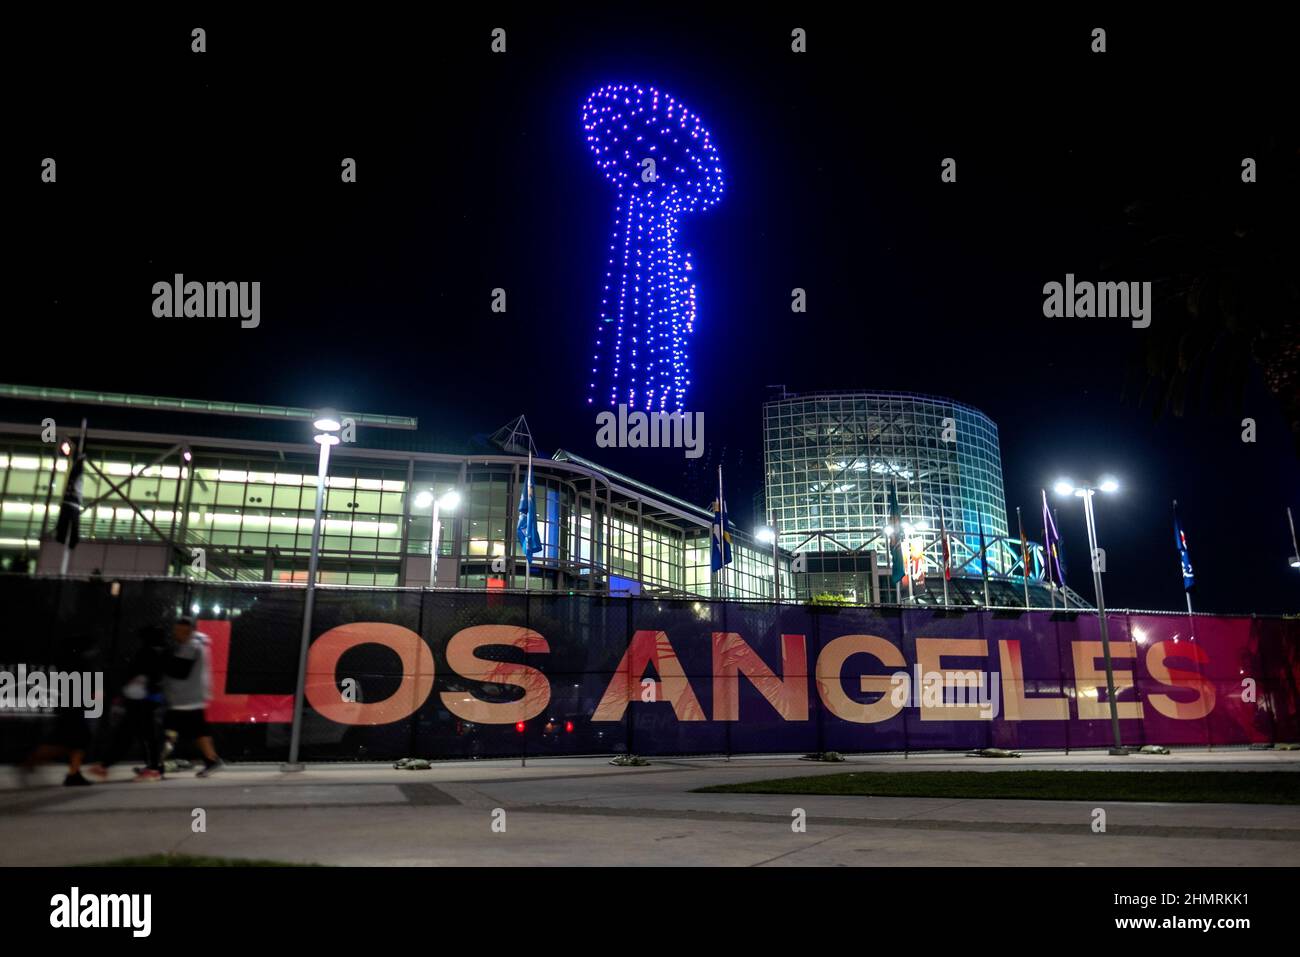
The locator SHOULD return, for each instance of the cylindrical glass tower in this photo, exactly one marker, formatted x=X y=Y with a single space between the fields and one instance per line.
x=831 y=459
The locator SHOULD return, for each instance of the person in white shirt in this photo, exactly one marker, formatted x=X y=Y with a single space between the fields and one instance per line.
x=187 y=690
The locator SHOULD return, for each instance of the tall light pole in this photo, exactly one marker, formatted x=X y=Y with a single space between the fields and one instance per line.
x=1295 y=555
x=766 y=534
x=447 y=502
x=327 y=426
x=1086 y=492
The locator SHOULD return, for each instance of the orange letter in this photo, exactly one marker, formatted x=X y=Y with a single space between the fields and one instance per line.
x=1088 y=681
x=462 y=660
x=732 y=657
x=930 y=653
x=831 y=689
x=322 y=679
x=1199 y=706
x=649 y=647
x=1015 y=706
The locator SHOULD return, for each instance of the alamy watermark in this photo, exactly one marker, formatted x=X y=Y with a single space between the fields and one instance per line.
x=179 y=299
x=37 y=690
x=1098 y=300
x=74 y=909
x=952 y=689
x=651 y=430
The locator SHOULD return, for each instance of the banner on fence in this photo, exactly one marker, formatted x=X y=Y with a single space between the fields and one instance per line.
x=460 y=674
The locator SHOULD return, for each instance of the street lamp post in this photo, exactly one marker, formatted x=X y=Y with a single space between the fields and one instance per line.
x=327 y=425
x=767 y=534
x=1295 y=555
x=1086 y=492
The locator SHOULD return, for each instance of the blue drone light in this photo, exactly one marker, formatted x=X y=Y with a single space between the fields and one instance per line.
x=663 y=164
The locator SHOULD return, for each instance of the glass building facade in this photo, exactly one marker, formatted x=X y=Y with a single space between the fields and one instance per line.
x=248 y=509
x=831 y=460
x=194 y=496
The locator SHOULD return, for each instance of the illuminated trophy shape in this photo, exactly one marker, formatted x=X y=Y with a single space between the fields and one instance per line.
x=663 y=164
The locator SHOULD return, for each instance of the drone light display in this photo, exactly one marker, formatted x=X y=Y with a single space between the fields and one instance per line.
x=663 y=165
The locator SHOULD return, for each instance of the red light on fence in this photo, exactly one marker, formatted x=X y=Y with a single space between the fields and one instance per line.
x=568 y=727
x=519 y=726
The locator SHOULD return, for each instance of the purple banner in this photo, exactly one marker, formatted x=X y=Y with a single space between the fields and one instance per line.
x=465 y=674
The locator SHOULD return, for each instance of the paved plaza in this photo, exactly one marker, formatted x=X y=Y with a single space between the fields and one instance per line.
x=582 y=811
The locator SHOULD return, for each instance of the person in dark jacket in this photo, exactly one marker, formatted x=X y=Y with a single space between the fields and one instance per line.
x=140 y=700
x=71 y=736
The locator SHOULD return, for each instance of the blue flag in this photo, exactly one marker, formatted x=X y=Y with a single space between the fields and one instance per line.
x=897 y=567
x=1189 y=578
x=530 y=543
x=720 y=538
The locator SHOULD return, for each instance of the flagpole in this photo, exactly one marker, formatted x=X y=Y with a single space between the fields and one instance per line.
x=67 y=546
x=1191 y=622
x=1291 y=521
x=1047 y=548
x=984 y=559
x=49 y=490
x=1056 y=527
x=1047 y=552
x=722 y=539
x=1024 y=555
x=943 y=531
x=528 y=493
x=1051 y=555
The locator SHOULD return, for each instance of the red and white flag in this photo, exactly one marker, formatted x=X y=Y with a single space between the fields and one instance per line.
x=943 y=537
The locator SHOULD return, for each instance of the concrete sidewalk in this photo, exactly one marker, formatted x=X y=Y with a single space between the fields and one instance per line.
x=581 y=811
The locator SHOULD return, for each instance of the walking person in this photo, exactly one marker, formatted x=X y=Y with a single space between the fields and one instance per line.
x=141 y=701
x=71 y=736
x=187 y=690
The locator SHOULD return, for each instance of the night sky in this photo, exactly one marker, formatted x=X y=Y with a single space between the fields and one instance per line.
x=473 y=174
